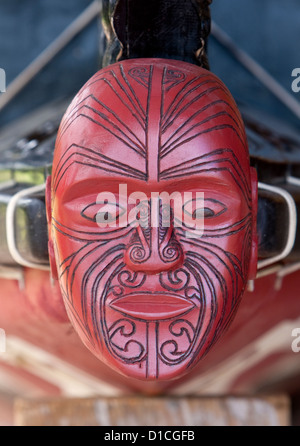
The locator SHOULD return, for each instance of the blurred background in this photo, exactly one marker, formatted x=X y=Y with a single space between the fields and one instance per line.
x=267 y=30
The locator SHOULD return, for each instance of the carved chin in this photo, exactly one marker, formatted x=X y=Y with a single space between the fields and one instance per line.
x=155 y=335
x=157 y=327
x=149 y=344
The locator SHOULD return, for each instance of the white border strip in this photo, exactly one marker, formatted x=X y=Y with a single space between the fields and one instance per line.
x=7 y=184
x=10 y=227
x=292 y=224
x=293 y=180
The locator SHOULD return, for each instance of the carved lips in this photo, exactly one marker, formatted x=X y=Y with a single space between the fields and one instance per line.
x=148 y=307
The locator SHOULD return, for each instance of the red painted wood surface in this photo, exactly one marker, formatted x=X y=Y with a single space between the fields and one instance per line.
x=259 y=313
x=150 y=298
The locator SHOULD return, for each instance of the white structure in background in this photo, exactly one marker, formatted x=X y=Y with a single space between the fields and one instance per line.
x=2 y=341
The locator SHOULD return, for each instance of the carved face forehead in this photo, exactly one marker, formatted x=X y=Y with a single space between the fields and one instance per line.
x=151 y=301
x=152 y=122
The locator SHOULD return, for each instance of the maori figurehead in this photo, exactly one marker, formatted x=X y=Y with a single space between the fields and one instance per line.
x=151 y=215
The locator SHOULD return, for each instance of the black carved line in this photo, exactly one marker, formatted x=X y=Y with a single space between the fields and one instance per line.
x=99 y=168
x=86 y=278
x=100 y=75
x=182 y=329
x=101 y=236
x=198 y=271
x=219 y=169
x=233 y=265
x=169 y=143
x=203 y=132
x=108 y=164
x=100 y=324
x=96 y=301
x=87 y=273
x=81 y=105
x=181 y=355
x=212 y=233
x=89 y=118
x=203 y=260
x=130 y=89
x=174 y=285
x=177 y=112
x=234 y=261
x=197 y=113
x=76 y=238
x=185 y=167
x=117 y=326
x=110 y=161
x=174 y=116
x=232 y=229
x=181 y=171
x=171 y=79
x=68 y=298
x=139 y=112
x=176 y=102
x=64 y=268
x=135 y=110
x=130 y=143
x=140 y=75
x=131 y=279
x=97 y=158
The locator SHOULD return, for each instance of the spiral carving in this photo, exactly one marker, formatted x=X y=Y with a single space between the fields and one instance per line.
x=121 y=340
x=172 y=351
x=137 y=254
x=171 y=252
x=132 y=280
x=175 y=280
x=140 y=74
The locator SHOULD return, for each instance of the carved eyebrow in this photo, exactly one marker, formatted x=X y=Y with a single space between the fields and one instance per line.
x=86 y=156
x=194 y=165
x=225 y=159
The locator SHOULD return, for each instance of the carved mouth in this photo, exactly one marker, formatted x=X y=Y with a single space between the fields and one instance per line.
x=152 y=307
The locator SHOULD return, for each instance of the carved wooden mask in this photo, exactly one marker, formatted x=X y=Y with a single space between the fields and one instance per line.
x=151 y=299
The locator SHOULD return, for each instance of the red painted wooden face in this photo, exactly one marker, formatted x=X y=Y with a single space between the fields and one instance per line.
x=151 y=287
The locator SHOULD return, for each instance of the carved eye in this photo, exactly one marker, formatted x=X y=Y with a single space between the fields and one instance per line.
x=203 y=208
x=142 y=213
x=103 y=212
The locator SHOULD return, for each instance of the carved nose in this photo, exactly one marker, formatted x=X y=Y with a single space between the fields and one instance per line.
x=154 y=250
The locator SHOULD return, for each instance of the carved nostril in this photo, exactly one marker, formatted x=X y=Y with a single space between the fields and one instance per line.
x=136 y=254
x=172 y=252
x=152 y=255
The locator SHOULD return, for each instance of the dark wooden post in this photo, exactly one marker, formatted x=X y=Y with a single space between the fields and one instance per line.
x=169 y=29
